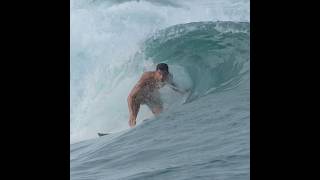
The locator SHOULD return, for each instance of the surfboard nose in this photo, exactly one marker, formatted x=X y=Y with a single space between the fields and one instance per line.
x=102 y=134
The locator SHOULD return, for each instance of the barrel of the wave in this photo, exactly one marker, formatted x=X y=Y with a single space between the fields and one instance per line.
x=214 y=55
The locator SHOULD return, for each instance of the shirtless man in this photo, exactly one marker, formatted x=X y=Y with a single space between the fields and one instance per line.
x=146 y=91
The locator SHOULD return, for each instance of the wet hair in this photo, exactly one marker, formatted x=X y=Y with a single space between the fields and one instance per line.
x=163 y=67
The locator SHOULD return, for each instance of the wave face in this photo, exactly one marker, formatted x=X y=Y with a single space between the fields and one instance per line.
x=200 y=135
x=113 y=42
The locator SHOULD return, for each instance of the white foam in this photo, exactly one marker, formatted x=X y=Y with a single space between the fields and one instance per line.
x=104 y=38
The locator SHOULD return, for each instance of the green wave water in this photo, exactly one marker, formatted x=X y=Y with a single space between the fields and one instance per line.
x=215 y=55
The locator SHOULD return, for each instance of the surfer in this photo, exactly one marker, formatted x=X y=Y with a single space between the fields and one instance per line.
x=146 y=91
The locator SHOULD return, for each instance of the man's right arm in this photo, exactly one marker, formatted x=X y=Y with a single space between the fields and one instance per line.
x=138 y=86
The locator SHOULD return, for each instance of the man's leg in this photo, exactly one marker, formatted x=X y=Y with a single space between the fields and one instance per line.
x=134 y=107
x=156 y=110
x=155 y=105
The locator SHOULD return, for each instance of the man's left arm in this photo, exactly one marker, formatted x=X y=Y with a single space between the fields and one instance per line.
x=174 y=86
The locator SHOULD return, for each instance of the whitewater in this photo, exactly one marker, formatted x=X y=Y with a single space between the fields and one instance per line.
x=204 y=134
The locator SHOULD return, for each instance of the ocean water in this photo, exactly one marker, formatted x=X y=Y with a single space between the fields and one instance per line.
x=201 y=135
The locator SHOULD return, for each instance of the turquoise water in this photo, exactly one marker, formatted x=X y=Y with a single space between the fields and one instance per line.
x=201 y=135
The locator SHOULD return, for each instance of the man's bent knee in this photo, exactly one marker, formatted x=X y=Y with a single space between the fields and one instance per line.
x=157 y=110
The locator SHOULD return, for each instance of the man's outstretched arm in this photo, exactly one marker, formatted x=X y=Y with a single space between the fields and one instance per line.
x=174 y=86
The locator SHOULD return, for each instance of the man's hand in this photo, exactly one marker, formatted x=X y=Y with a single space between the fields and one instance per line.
x=184 y=91
x=132 y=122
x=175 y=88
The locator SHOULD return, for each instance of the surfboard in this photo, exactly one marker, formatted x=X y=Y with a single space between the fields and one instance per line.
x=123 y=131
x=103 y=134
